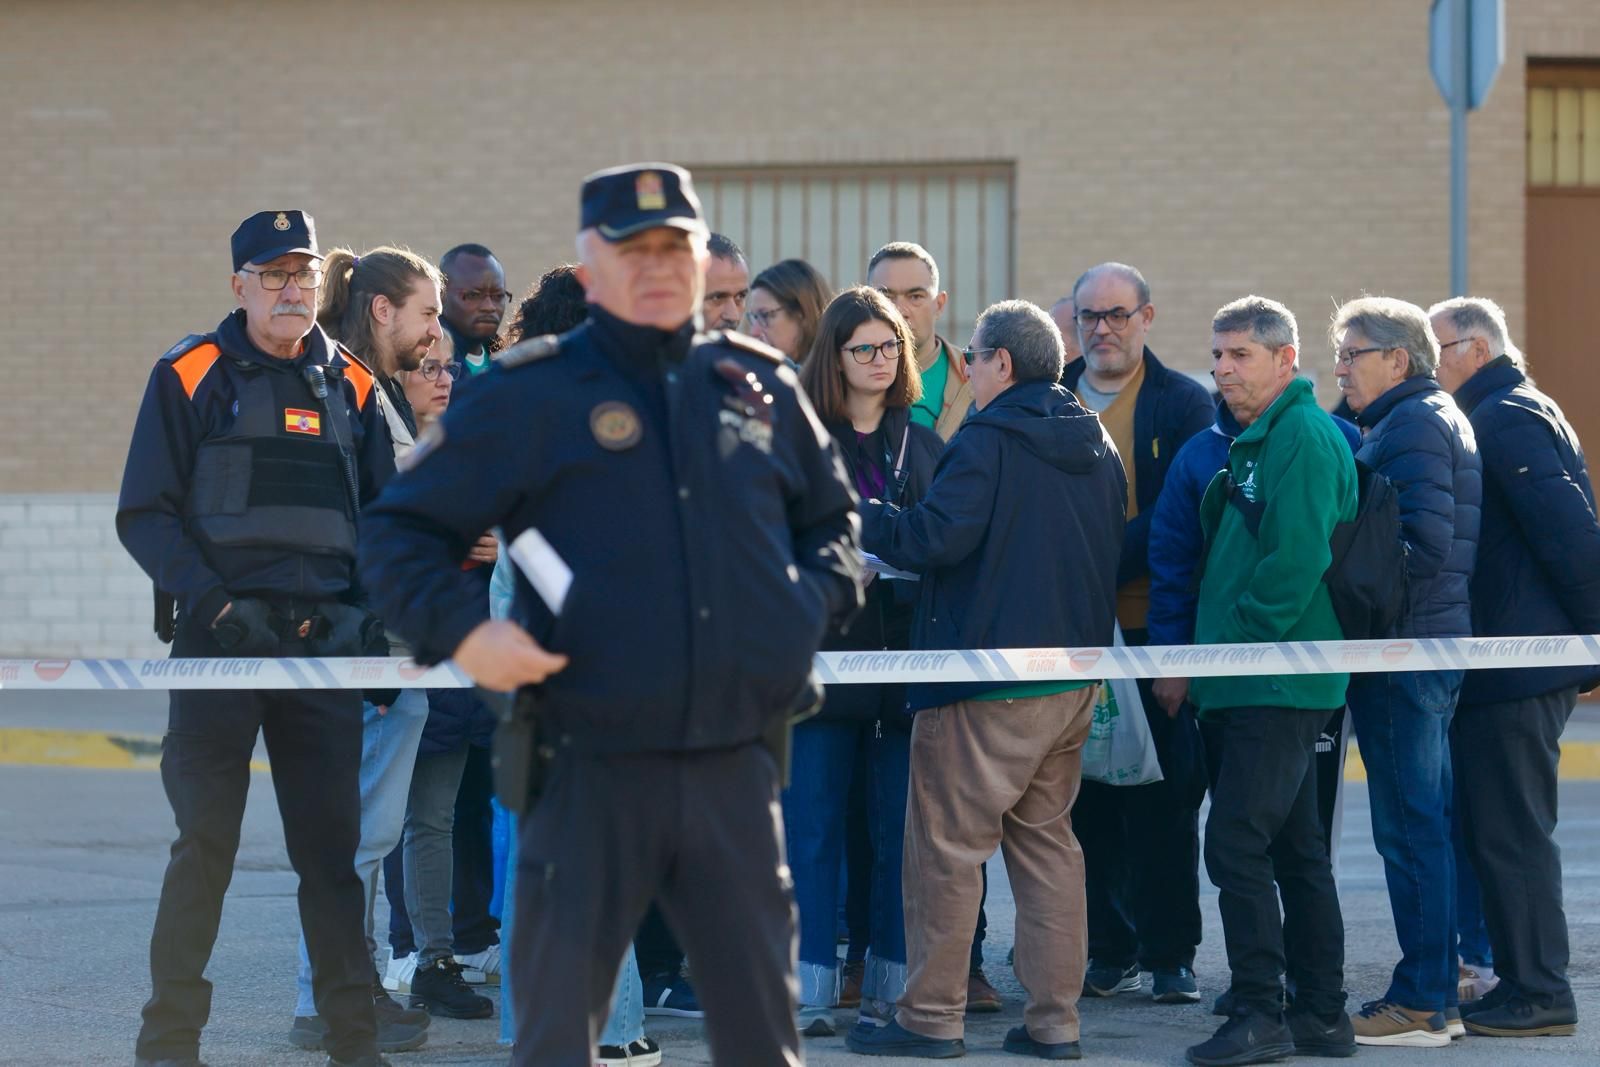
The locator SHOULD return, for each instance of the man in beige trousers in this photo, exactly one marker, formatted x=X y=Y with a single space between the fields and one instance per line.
x=1017 y=542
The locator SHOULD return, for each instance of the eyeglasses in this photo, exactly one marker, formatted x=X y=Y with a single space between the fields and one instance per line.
x=1348 y=356
x=1457 y=341
x=478 y=296
x=1116 y=318
x=971 y=354
x=432 y=368
x=273 y=280
x=867 y=353
x=764 y=319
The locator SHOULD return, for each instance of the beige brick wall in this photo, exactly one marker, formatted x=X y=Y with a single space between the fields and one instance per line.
x=1292 y=147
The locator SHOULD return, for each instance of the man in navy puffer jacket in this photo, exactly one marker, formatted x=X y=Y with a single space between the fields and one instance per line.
x=1540 y=574
x=1386 y=356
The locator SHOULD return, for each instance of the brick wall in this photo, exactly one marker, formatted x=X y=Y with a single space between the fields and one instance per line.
x=1291 y=147
x=68 y=586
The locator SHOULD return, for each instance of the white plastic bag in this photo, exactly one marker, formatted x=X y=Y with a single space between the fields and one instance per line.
x=1120 y=750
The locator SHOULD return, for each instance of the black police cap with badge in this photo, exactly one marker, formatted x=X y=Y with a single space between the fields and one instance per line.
x=266 y=235
x=621 y=201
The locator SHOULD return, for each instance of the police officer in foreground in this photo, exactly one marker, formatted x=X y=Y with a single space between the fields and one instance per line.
x=253 y=450
x=690 y=535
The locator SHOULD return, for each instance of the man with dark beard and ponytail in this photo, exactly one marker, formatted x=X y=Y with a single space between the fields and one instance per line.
x=383 y=308
x=254 y=450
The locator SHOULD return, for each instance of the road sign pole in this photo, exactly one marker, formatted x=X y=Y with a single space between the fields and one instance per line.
x=1460 y=61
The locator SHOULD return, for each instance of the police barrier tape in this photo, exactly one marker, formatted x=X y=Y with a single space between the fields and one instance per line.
x=847 y=668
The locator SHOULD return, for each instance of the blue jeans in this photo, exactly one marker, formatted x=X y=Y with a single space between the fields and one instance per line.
x=814 y=810
x=624 y=1026
x=1472 y=932
x=388 y=755
x=1402 y=723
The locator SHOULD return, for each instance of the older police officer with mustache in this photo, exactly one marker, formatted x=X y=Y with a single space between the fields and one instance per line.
x=254 y=448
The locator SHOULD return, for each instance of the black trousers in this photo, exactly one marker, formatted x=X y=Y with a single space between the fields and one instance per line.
x=1508 y=756
x=1141 y=853
x=702 y=833
x=1263 y=838
x=314 y=743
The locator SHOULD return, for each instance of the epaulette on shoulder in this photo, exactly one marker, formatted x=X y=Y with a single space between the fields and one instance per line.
x=531 y=350
x=746 y=343
x=188 y=344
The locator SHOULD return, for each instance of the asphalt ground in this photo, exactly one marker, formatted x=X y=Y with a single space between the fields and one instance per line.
x=84 y=832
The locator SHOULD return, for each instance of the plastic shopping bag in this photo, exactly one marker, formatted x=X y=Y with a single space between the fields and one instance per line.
x=1120 y=750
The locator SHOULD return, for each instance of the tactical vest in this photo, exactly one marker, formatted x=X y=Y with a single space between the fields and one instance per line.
x=275 y=477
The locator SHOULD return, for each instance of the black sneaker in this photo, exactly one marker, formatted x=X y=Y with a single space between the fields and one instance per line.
x=1333 y=1038
x=389 y=1010
x=1019 y=1041
x=669 y=993
x=641 y=1053
x=1109 y=979
x=1521 y=1016
x=1174 y=985
x=309 y=1032
x=439 y=989
x=1254 y=1037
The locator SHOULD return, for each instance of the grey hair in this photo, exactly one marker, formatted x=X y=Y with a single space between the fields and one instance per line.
x=1391 y=323
x=1131 y=275
x=1269 y=322
x=1031 y=336
x=1478 y=316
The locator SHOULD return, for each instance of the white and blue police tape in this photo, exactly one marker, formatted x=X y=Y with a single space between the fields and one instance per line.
x=1000 y=665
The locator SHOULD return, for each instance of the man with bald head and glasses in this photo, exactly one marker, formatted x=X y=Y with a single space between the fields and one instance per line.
x=1141 y=843
x=475 y=303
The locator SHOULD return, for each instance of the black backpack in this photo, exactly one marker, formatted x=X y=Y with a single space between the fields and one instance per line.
x=1367 y=579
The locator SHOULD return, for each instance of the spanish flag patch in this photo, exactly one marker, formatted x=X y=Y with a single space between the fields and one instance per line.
x=297 y=420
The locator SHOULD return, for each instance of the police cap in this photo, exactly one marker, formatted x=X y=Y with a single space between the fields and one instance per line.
x=266 y=235
x=622 y=201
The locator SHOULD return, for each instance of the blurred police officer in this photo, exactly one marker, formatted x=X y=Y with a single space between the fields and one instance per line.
x=253 y=449
x=691 y=534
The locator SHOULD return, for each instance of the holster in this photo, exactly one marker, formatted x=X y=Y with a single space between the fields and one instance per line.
x=521 y=753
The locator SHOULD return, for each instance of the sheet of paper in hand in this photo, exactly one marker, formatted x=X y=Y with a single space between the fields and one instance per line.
x=544 y=568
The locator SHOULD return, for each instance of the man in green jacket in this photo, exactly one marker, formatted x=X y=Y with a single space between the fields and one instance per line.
x=1263 y=835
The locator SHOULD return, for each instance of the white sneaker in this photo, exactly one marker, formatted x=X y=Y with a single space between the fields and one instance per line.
x=398 y=974
x=481 y=968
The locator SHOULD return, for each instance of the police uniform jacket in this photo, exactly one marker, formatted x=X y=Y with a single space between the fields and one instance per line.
x=698 y=503
x=235 y=485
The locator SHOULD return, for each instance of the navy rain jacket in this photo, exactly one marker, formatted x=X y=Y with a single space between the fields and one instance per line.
x=1018 y=538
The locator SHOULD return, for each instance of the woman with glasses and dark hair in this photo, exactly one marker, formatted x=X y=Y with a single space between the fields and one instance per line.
x=785 y=303
x=861 y=376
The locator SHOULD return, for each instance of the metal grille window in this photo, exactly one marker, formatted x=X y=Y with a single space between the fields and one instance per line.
x=836 y=217
x=1564 y=125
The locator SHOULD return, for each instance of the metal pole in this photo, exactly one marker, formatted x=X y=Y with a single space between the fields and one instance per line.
x=1460 y=72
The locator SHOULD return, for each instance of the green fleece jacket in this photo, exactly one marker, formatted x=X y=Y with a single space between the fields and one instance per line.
x=1294 y=460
